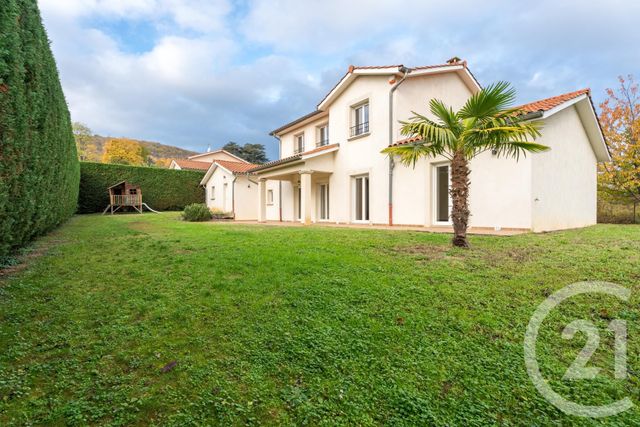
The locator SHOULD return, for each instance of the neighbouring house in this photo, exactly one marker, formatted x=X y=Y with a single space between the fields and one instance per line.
x=230 y=188
x=331 y=167
x=203 y=161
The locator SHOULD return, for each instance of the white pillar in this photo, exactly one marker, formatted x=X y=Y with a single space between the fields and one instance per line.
x=305 y=193
x=262 y=200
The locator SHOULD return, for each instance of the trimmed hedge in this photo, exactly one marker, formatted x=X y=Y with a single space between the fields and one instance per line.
x=162 y=189
x=39 y=169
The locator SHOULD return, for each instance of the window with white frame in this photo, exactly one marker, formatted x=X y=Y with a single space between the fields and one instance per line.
x=298 y=143
x=269 y=197
x=212 y=194
x=323 y=135
x=360 y=119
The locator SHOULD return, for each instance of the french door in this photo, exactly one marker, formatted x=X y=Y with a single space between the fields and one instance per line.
x=361 y=198
x=442 y=199
x=323 y=202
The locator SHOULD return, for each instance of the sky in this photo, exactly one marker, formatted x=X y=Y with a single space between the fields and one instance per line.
x=194 y=73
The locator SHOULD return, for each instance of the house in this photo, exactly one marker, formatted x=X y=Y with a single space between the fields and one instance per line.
x=230 y=188
x=203 y=161
x=331 y=167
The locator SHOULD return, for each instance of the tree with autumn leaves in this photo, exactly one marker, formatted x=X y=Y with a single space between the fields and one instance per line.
x=125 y=152
x=619 y=180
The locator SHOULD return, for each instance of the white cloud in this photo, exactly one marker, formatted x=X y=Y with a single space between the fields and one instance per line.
x=212 y=70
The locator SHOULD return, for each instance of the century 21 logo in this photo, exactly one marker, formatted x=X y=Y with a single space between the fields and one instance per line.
x=579 y=369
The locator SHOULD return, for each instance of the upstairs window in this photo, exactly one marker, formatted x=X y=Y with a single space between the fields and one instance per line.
x=360 y=120
x=323 y=136
x=298 y=144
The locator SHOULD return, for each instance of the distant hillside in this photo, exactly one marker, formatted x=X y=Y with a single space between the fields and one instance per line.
x=95 y=148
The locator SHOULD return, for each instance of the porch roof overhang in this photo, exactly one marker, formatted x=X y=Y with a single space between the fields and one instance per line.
x=296 y=159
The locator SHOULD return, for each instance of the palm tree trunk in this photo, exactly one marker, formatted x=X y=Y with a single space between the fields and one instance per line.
x=460 y=198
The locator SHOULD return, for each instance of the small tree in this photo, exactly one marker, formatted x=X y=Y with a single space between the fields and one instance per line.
x=485 y=122
x=123 y=151
x=619 y=180
x=85 y=144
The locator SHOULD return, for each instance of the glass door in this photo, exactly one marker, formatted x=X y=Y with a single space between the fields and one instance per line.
x=323 y=201
x=361 y=198
x=442 y=202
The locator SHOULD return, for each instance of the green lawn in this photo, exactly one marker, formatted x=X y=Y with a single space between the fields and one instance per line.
x=292 y=325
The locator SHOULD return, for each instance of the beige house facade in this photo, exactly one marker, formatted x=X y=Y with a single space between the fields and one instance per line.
x=331 y=168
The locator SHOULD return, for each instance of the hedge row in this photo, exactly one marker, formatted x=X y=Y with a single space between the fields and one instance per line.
x=39 y=169
x=162 y=189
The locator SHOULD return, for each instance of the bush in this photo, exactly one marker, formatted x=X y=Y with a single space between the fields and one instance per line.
x=162 y=189
x=39 y=169
x=196 y=212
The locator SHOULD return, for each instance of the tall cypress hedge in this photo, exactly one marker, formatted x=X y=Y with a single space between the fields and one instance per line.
x=39 y=169
x=162 y=189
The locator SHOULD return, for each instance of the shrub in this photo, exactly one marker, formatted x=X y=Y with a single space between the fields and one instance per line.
x=39 y=169
x=162 y=189
x=196 y=212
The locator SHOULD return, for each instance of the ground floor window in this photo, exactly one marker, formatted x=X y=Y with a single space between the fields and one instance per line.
x=442 y=203
x=361 y=198
x=323 y=201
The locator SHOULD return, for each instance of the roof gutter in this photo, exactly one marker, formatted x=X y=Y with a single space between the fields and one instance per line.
x=405 y=70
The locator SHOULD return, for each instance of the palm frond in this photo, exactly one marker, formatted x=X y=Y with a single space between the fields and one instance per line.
x=489 y=102
x=409 y=154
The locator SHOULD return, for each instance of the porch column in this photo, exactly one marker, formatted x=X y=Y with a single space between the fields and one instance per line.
x=305 y=194
x=262 y=200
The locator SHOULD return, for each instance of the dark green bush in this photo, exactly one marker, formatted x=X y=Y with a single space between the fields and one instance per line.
x=196 y=212
x=162 y=189
x=39 y=168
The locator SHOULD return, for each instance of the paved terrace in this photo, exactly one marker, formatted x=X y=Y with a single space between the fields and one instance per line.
x=439 y=229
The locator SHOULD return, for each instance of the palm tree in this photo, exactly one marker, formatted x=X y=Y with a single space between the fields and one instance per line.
x=486 y=122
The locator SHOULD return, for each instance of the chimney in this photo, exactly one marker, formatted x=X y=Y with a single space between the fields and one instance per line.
x=454 y=60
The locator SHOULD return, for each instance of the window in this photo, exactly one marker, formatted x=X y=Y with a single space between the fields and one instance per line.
x=212 y=195
x=361 y=198
x=360 y=120
x=224 y=196
x=442 y=205
x=323 y=205
x=323 y=136
x=269 y=197
x=299 y=144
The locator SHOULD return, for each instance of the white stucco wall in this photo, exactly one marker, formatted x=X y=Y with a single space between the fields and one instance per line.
x=223 y=198
x=244 y=197
x=564 y=178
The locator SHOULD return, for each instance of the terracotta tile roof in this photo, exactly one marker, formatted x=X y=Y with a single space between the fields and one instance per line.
x=293 y=158
x=407 y=141
x=235 y=167
x=192 y=164
x=554 y=101
x=319 y=149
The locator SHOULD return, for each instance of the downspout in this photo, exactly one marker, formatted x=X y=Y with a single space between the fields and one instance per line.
x=405 y=70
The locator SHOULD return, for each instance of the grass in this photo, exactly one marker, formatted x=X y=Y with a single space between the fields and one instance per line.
x=317 y=326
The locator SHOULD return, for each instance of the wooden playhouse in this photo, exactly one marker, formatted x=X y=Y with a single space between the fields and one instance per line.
x=124 y=194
